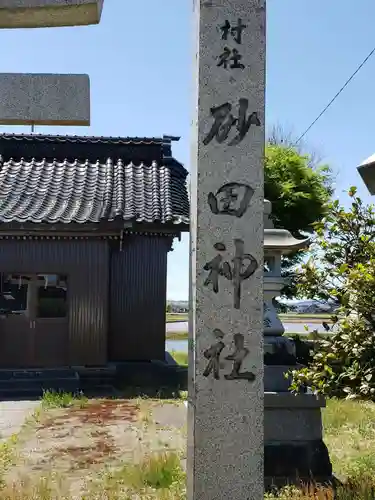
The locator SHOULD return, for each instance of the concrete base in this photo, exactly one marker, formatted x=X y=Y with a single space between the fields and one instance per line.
x=151 y=375
x=293 y=445
x=296 y=462
x=275 y=379
x=49 y=13
x=44 y=99
x=279 y=350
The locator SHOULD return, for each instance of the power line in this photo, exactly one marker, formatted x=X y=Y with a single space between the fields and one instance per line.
x=336 y=96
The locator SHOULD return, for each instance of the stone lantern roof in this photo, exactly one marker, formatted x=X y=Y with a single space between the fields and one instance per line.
x=279 y=239
x=367 y=171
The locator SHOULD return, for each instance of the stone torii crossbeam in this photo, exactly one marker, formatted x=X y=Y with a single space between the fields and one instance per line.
x=49 y=13
x=46 y=99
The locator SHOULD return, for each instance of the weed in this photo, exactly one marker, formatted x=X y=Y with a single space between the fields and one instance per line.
x=159 y=476
x=358 y=489
x=7 y=456
x=146 y=416
x=157 y=471
x=45 y=488
x=53 y=399
x=183 y=395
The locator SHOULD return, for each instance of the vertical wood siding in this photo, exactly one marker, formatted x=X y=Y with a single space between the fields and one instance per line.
x=86 y=264
x=138 y=299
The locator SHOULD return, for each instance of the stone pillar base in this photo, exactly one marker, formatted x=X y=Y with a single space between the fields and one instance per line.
x=293 y=445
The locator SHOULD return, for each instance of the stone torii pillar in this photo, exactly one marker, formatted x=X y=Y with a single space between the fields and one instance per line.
x=225 y=410
x=46 y=99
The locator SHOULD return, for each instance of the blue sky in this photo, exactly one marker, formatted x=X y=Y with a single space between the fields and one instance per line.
x=139 y=60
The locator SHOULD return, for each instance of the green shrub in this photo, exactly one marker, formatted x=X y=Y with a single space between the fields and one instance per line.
x=342 y=268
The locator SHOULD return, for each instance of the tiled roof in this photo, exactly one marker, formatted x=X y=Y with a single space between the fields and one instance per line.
x=88 y=139
x=129 y=149
x=53 y=191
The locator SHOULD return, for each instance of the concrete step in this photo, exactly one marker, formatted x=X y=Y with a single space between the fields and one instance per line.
x=96 y=382
x=35 y=391
x=89 y=370
x=25 y=384
x=32 y=383
x=63 y=384
x=101 y=390
x=23 y=393
x=38 y=374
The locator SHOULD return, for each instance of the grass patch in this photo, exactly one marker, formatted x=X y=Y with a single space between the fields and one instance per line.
x=29 y=489
x=177 y=335
x=159 y=476
x=176 y=317
x=307 y=335
x=54 y=399
x=349 y=432
x=181 y=358
x=310 y=317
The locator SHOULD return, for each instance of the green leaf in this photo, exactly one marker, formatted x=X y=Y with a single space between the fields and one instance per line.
x=343 y=268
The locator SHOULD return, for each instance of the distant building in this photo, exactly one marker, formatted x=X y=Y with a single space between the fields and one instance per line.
x=180 y=309
x=178 y=306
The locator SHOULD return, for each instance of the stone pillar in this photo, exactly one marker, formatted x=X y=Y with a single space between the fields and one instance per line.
x=225 y=426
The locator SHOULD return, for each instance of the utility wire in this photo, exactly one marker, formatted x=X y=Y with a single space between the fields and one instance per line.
x=336 y=96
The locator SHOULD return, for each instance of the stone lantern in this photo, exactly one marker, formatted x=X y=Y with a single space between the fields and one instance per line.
x=367 y=171
x=277 y=242
x=293 y=446
x=49 y=13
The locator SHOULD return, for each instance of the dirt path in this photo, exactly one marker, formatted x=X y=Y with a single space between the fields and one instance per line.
x=13 y=415
x=76 y=444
